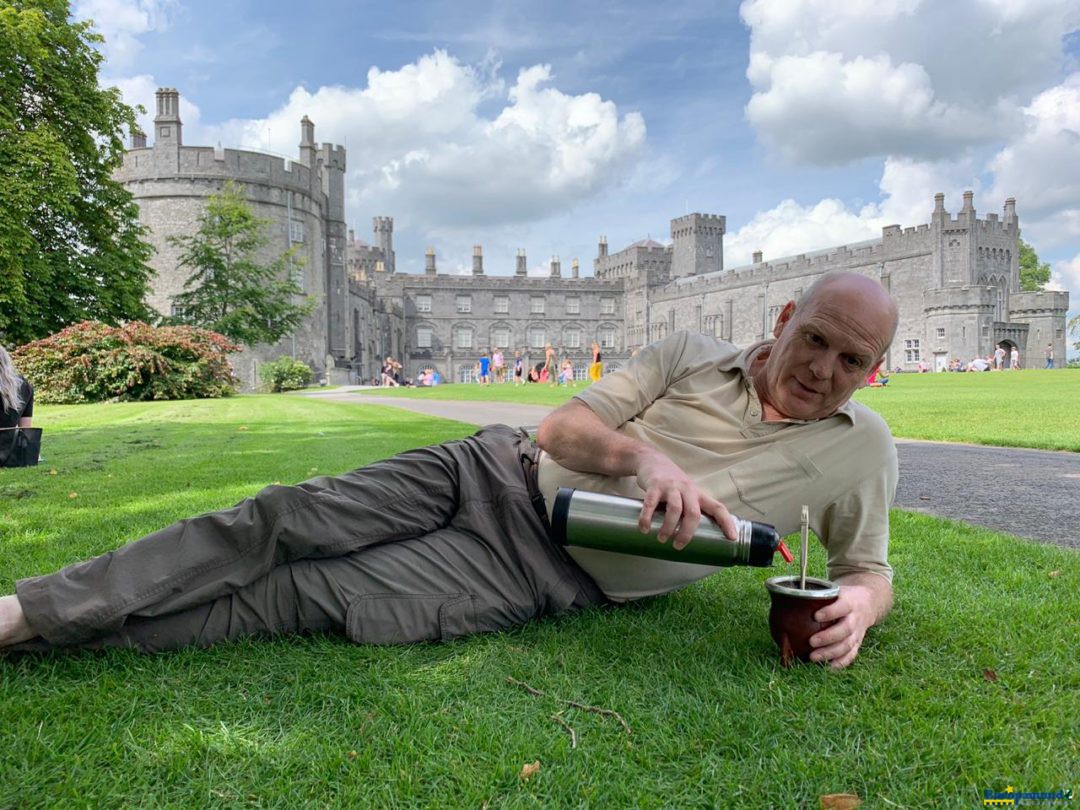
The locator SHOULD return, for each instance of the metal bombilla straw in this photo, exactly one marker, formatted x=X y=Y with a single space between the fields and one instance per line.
x=804 y=551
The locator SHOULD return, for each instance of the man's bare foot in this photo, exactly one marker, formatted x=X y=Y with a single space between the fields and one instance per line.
x=13 y=625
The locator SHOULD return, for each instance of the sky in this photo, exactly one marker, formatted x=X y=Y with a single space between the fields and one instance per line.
x=807 y=123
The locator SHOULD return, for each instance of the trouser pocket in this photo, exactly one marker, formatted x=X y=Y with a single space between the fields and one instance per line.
x=395 y=618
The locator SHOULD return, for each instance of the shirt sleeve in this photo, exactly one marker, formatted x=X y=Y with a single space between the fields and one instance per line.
x=621 y=395
x=855 y=527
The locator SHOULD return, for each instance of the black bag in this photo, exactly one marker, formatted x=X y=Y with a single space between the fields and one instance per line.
x=20 y=447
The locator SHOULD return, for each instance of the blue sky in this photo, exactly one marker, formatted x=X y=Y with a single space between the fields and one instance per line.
x=808 y=123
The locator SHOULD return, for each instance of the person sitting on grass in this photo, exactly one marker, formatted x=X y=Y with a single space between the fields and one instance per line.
x=454 y=539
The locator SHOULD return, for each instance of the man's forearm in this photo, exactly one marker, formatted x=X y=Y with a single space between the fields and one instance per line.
x=577 y=439
x=879 y=588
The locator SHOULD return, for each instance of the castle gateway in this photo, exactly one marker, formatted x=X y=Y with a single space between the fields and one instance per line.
x=956 y=279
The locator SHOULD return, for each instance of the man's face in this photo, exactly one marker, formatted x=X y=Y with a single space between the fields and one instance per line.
x=822 y=355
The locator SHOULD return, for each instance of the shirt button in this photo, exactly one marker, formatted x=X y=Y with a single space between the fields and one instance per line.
x=754 y=412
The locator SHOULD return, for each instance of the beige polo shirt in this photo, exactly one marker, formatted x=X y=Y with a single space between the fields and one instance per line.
x=691 y=396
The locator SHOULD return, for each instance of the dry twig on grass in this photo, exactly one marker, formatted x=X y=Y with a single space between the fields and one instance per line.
x=564 y=724
x=574 y=703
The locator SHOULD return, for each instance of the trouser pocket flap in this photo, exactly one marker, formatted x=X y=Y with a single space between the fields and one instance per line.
x=395 y=618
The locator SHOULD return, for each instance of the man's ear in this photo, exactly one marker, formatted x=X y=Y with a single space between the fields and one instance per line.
x=781 y=320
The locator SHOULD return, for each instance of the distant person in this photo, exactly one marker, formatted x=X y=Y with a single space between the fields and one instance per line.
x=549 y=365
x=485 y=369
x=436 y=377
x=878 y=378
x=596 y=368
x=978 y=364
x=1049 y=355
x=923 y=368
x=519 y=369
x=999 y=358
x=566 y=373
x=498 y=365
x=386 y=375
x=16 y=411
x=1014 y=359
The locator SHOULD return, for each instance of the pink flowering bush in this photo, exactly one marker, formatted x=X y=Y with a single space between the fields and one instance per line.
x=92 y=362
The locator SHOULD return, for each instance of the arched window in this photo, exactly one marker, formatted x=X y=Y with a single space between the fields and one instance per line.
x=537 y=337
x=463 y=337
x=572 y=337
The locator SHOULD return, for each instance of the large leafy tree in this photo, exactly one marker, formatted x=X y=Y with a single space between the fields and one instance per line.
x=71 y=247
x=229 y=290
x=1033 y=274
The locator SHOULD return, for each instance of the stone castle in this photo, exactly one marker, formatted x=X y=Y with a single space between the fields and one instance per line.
x=956 y=279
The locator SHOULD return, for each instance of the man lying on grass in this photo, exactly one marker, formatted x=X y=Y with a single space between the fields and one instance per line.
x=453 y=539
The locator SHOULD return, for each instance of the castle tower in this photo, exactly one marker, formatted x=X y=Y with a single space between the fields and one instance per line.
x=429 y=262
x=522 y=268
x=167 y=125
x=331 y=167
x=307 y=142
x=698 y=244
x=477 y=260
x=384 y=236
x=556 y=267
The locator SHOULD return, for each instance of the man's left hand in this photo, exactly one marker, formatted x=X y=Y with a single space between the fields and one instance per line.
x=858 y=607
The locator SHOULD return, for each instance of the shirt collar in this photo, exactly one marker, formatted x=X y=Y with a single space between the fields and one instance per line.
x=742 y=361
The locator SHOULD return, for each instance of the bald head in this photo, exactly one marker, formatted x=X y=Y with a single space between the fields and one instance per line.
x=861 y=296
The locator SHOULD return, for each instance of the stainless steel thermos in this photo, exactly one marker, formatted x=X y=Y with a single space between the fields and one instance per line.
x=610 y=523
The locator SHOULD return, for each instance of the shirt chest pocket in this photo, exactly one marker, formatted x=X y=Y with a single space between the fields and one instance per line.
x=770 y=482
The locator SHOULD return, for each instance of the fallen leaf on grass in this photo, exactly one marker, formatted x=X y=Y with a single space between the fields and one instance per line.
x=73 y=495
x=528 y=770
x=242 y=427
x=352 y=755
x=990 y=675
x=1054 y=574
x=840 y=801
x=53 y=471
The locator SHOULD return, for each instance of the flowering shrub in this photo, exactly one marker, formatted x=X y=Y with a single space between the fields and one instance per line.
x=285 y=374
x=91 y=362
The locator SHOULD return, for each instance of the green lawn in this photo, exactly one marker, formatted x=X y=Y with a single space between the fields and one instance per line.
x=1012 y=409
x=970 y=685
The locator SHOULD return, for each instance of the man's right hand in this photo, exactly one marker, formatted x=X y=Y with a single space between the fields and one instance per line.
x=664 y=482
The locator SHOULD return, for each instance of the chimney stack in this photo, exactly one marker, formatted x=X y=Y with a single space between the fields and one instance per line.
x=757 y=257
x=477 y=260
x=429 y=262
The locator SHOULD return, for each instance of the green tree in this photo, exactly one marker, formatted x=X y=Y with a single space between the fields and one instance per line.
x=229 y=290
x=1074 y=330
x=1033 y=274
x=71 y=247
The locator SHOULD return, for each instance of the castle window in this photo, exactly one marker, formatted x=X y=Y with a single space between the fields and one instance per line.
x=572 y=338
x=500 y=337
x=941 y=331
x=573 y=306
x=502 y=304
x=606 y=335
x=536 y=305
x=537 y=337
x=463 y=337
x=296 y=276
x=423 y=303
x=296 y=231
x=423 y=337
x=911 y=351
x=607 y=306
x=986 y=331
x=464 y=304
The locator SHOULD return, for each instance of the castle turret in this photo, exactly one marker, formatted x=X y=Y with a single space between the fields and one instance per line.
x=138 y=139
x=698 y=244
x=757 y=257
x=602 y=248
x=384 y=236
x=477 y=260
x=556 y=267
x=1010 y=210
x=307 y=142
x=167 y=125
x=429 y=262
x=575 y=271
x=969 y=206
x=522 y=268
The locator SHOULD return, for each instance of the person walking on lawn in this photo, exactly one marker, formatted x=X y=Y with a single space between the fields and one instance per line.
x=453 y=539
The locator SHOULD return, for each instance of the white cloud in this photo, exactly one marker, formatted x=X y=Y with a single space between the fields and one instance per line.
x=420 y=145
x=1065 y=275
x=1042 y=168
x=122 y=22
x=835 y=81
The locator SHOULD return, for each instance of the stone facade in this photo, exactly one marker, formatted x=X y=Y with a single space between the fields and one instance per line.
x=956 y=279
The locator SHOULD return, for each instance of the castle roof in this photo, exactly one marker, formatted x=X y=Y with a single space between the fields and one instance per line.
x=647 y=243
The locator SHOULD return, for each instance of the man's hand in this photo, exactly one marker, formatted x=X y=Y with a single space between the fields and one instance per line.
x=863 y=602
x=684 y=502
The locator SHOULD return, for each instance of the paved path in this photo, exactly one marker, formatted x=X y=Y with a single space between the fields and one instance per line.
x=1028 y=493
